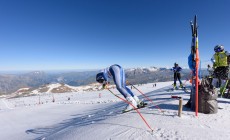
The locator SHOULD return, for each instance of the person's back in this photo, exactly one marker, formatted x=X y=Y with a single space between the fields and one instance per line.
x=176 y=69
x=221 y=66
x=221 y=59
x=117 y=73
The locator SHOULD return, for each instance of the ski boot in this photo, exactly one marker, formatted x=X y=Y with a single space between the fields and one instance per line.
x=174 y=86
x=181 y=86
x=130 y=107
x=140 y=104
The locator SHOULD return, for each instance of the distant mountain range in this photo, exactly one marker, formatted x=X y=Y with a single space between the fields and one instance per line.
x=153 y=74
x=55 y=88
x=10 y=83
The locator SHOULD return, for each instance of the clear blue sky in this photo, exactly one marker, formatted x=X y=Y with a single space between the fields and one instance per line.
x=92 y=34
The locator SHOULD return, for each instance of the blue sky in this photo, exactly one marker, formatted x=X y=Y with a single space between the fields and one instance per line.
x=92 y=34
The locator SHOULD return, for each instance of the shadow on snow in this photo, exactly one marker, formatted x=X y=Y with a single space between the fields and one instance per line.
x=98 y=115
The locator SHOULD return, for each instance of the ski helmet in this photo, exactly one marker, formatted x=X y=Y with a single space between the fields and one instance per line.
x=100 y=77
x=219 y=48
x=175 y=64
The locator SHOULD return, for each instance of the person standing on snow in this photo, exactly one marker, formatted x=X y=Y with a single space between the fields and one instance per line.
x=117 y=73
x=176 y=69
x=221 y=66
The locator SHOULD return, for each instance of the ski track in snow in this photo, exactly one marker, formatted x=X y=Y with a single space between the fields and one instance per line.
x=6 y=104
x=133 y=134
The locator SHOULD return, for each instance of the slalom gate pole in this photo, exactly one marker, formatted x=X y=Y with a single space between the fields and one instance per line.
x=145 y=96
x=197 y=70
x=197 y=78
x=136 y=109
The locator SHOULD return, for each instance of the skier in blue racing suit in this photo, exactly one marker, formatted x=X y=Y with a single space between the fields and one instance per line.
x=117 y=73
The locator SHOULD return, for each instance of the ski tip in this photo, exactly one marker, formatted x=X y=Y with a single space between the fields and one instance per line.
x=125 y=111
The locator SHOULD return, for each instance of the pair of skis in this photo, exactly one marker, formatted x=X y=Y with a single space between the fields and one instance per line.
x=196 y=59
x=176 y=88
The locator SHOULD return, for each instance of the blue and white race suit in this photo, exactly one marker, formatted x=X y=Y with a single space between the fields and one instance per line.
x=117 y=73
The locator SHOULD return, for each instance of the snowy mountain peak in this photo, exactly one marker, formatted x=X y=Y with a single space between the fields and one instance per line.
x=143 y=69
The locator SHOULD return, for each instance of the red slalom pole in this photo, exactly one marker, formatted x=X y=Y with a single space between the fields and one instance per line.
x=197 y=78
x=136 y=109
x=195 y=53
x=197 y=59
x=146 y=97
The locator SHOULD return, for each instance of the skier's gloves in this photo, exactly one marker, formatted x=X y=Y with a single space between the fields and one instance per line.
x=105 y=85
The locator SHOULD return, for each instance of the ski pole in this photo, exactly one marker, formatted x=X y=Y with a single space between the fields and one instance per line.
x=224 y=88
x=188 y=78
x=145 y=96
x=136 y=109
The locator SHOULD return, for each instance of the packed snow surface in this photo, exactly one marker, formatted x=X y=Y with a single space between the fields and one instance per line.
x=96 y=115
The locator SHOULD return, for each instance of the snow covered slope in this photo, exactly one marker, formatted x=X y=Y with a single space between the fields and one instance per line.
x=96 y=115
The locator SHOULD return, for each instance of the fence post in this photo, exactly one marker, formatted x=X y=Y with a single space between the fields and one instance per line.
x=180 y=107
